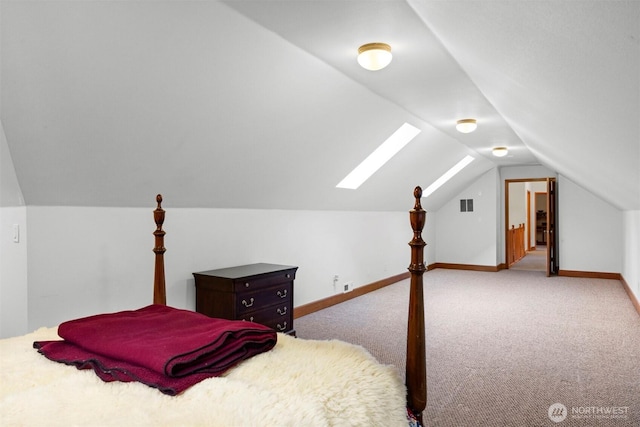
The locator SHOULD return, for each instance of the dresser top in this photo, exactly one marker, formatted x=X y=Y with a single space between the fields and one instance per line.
x=246 y=270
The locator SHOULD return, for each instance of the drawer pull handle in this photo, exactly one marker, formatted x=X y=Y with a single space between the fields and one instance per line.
x=282 y=294
x=250 y=319
x=246 y=285
x=288 y=276
x=247 y=304
x=282 y=311
x=282 y=327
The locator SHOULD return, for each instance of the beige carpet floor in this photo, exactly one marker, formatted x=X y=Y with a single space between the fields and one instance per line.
x=535 y=260
x=503 y=347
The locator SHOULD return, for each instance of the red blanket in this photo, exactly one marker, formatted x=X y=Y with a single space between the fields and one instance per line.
x=160 y=346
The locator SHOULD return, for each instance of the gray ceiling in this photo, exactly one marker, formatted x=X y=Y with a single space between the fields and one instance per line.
x=261 y=104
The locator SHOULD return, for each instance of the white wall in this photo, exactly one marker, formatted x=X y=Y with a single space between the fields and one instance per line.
x=518 y=207
x=534 y=187
x=90 y=260
x=13 y=256
x=429 y=236
x=13 y=272
x=631 y=252
x=589 y=230
x=517 y=204
x=469 y=237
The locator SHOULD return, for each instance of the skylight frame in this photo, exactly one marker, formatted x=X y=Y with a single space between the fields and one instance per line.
x=379 y=157
x=457 y=168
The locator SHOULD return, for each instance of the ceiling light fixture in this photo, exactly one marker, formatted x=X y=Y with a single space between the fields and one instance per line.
x=466 y=125
x=500 y=151
x=374 y=56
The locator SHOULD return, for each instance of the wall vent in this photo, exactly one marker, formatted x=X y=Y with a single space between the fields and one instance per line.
x=466 y=205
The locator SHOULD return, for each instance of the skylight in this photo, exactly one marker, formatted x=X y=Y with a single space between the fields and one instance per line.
x=379 y=157
x=447 y=175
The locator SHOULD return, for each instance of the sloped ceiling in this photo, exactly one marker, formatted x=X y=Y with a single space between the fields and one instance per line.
x=261 y=104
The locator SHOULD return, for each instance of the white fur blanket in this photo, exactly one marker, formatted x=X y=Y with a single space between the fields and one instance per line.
x=298 y=383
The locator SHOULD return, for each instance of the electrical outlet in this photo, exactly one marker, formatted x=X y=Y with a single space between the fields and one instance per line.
x=347 y=287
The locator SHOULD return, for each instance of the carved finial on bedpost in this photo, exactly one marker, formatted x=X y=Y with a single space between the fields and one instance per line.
x=159 y=287
x=416 y=371
x=417 y=193
x=417 y=216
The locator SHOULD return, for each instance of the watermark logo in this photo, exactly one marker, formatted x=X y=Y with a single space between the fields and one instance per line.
x=557 y=412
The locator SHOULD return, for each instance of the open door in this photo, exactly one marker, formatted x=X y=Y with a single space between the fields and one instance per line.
x=552 y=229
x=545 y=226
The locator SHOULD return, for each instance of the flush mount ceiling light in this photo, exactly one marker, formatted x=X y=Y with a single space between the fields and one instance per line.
x=374 y=56
x=500 y=151
x=466 y=125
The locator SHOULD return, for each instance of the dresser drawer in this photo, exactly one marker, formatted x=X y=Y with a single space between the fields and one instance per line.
x=252 y=301
x=260 y=282
x=278 y=317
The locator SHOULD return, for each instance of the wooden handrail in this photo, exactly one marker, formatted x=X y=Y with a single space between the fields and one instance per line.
x=516 y=244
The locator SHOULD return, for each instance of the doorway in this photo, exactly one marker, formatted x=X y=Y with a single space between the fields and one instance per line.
x=531 y=225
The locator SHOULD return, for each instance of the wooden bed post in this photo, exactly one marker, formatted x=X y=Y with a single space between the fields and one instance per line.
x=159 y=287
x=416 y=371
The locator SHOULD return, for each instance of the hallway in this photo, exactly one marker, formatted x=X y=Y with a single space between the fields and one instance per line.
x=535 y=260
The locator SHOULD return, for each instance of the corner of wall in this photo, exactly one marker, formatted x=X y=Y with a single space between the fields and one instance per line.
x=631 y=251
x=470 y=237
x=590 y=230
x=10 y=192
x=13 y=245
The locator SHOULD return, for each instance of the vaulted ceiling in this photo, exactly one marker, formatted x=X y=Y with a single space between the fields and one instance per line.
x=261 y=104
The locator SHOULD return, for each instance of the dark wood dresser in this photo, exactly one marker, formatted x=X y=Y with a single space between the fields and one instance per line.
x=261 y=293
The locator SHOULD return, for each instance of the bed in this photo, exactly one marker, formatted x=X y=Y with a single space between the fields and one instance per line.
x=294 y=382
